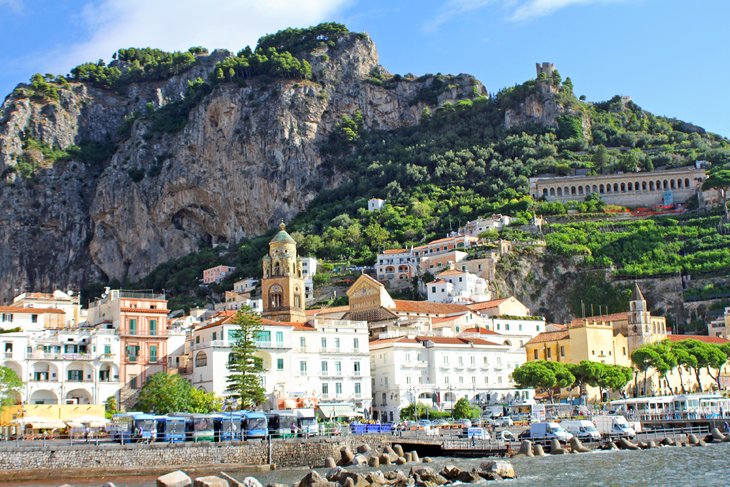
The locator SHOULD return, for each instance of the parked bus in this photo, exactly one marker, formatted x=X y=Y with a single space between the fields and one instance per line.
x=122 y=427
x=282 y=424
x=254 y=424
x=307 y=422
x=228 y=426
x=198 y=427
x=170 y=429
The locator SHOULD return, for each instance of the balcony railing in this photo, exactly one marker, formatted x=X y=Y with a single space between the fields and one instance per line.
x=271 y=345
x=58 y=356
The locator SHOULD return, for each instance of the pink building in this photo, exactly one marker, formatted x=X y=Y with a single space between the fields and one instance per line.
x=216 y=274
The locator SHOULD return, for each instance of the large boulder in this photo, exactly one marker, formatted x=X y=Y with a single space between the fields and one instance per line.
x=174 y=479
x=376 y=478
x=374 y=462
x=247 y=482
x=426 y=475
x=346 y=455
x=693 y=440
x=414 y=456
x=668 y=442
x=577 y=446
x=401 y=461
x=625 y=444
x=359 y=459
x=469 y=477
x=525 y=449
x=538 y=451
x=364 y=448
x=450 y=472
x=335 y=474
x=503 y=468
x=427 y=460
x=210 y=481
x=385 y=459
x=399 y=450
x=354 y=479
x=392 y=454
x=329 y=462
x=556 y=448
x=313 y=479
x=717 y=435
x=396 y=478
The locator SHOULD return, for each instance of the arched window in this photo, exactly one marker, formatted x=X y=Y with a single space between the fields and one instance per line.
x=276 y=296
x=643 y=185
x=544 y=191
x=595 y=189
x=580 y=189
x=686 y=183
x=572 y=190
x=623 y=187
x=629 y=187
x=666 y=184
x=651 y=185
x=201 y=359
x=602 y=189
x=560 y=191
x=277 y=269
x=297 y=298
x=679 y=184
x=672 y=184
x=615 y=187
x=552 y=191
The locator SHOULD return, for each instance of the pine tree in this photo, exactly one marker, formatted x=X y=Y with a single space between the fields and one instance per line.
x=244 y=380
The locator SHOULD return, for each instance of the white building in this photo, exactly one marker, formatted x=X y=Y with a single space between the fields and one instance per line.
x=438 y=371
x=68 y=302
x=721 y=326
x=309 y=270
x=495 y=222
x=327 y=361
x=243 y=286
x=456 y=286
x=375 y=204
x=59 y=366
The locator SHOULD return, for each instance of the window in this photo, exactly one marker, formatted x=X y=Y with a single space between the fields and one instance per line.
x=107 y=349
x=153 y=328
x=325 y=389
x=624 y=351
x=280 y=364
x=132 y=326
x=338 y=367
x=302 y=367
x=214 y=335
x=498 y=326
x=197 y=339
x=153 y=354
x=356 y=344
x=337 y=343
x=506 y=327
x=76 y=375
x=279 y=338
x=358 y=389
x=201 y=359
x=520 y=326
x=132 y=353
x=263 y=337
x=562 y=350
x=133 y=381
x=324 y=367
x=323 y=343
x=356 y=368
x=549 y=352
x=34 y=318
x=338 y=388
x=302 y=342
x=276 y=293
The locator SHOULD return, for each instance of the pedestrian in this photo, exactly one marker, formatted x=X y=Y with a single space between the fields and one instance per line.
x=87 y=432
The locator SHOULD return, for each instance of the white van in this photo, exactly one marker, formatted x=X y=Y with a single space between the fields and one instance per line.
x=548 y=431
x=583 y=429
x=614 y=425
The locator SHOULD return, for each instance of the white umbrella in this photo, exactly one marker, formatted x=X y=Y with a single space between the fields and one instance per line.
x=29 y=419
x=91 y=421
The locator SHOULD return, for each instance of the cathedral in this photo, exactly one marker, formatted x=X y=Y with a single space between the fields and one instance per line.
x=282 y=286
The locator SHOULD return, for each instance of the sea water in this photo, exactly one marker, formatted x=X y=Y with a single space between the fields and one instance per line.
x=670 y=466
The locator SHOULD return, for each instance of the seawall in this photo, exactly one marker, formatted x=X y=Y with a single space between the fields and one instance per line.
x=37 y=462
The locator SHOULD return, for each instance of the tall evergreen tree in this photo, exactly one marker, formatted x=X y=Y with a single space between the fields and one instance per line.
x=244 y=381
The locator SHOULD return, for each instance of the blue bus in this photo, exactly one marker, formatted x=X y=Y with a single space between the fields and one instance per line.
x=170 y=429
x=228 y=426
x=128 y=427
x=282 y=424
x=254 y=424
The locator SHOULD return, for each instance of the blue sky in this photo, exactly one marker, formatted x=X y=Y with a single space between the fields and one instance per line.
x=669 y=55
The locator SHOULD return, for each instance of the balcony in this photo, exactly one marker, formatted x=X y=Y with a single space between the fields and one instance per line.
x=418 y=364
x=271 y=345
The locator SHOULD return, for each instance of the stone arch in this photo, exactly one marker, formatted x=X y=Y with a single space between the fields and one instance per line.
x=572 y=191
x=43 y=396
x=594 y=189
x=602 y=189
x=277 y=268
x=679 y=183
x=686 y=183
x=560 y=191
x=658 y=185
x=643 y=185
x=623 y=187
x=201 y=359
x=630 y=186
x=78 y=396
x=544 y=192
x=672 y=184
x=44 y=372
x=615 y=187
x=552 y=191
x=666 y=184
x=276 y=296
x=651 y=185
x=580 y=189
x=566 y=191
x=588 y=189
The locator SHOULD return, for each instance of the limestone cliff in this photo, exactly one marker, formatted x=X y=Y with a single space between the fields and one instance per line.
x=248 y=155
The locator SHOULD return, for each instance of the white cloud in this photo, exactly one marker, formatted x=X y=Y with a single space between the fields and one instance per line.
x=517 y=10
x=180 y=24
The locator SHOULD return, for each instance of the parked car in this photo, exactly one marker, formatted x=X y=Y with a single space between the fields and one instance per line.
x=440 y=423
x=505 y=421
x=463 y=423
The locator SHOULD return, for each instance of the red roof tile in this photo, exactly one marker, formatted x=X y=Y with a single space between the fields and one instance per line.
x=481 y=331
x=428 y=307
x=395 y=251
x=702 y=338
x=487 y=304
x=609 y=317
x=549 y=336
x=23 y=310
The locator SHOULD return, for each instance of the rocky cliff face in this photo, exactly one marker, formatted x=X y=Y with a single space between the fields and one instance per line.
x=247 y=156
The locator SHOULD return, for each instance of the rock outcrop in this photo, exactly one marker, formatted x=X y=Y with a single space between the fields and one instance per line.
x=247 y=156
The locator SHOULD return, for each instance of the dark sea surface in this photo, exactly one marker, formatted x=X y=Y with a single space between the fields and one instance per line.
x=680 y=466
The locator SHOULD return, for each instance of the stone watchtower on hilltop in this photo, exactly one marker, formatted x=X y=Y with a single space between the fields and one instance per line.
x=547 y=68
x=282 y=286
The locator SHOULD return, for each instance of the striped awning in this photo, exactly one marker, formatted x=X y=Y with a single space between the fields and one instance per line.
x=337 y=410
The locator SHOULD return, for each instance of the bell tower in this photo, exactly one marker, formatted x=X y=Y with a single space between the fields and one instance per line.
x=640 y=324
x=282 y=286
